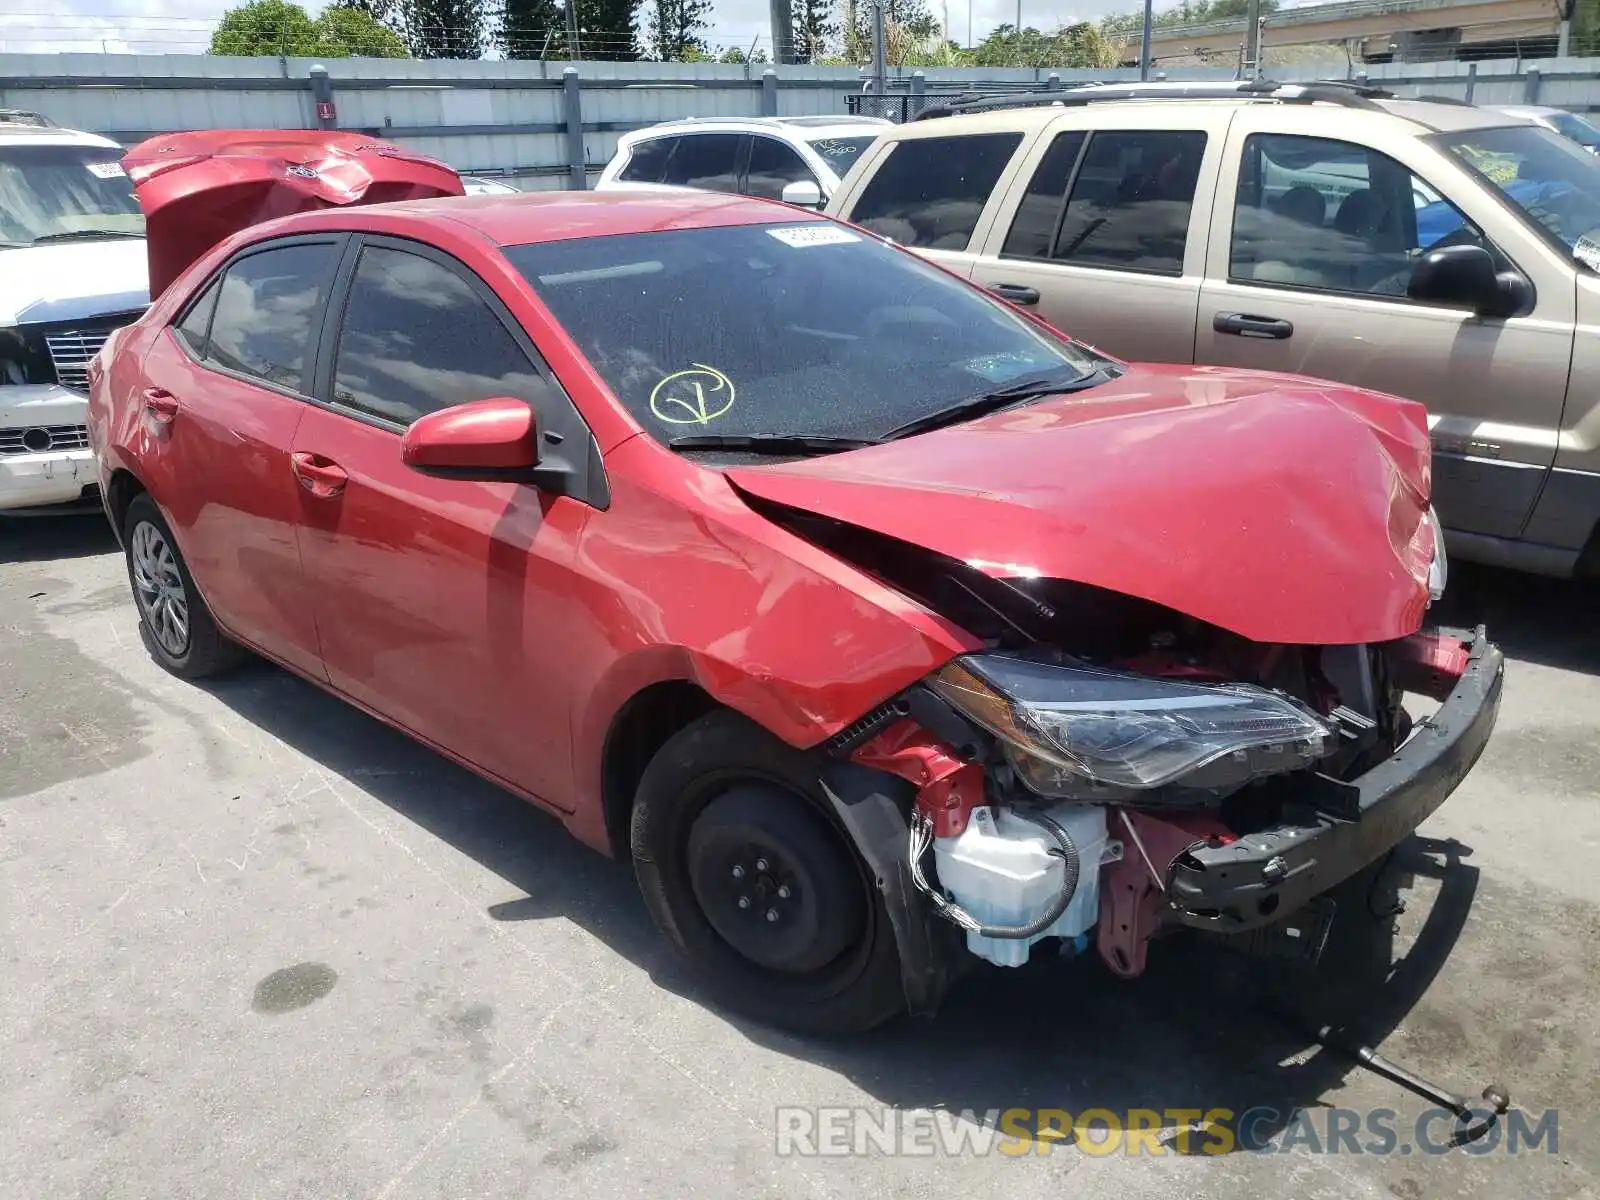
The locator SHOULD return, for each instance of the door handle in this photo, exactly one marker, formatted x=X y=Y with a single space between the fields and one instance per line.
x=322 y=477
x=1016 y=293
x=161 y=404
x=1251 y=326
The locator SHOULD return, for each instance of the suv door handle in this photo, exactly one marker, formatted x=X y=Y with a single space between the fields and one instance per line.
x=161 y=404
x=322 y=477
x=1016 y=293
x=1251 y=326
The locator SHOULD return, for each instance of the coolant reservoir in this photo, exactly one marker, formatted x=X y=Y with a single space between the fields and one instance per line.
x=1000 y=869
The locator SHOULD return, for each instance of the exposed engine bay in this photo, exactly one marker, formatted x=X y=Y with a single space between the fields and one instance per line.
x=1108 y=768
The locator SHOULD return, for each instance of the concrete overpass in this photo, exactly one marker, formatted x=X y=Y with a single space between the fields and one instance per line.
x=1374 y=30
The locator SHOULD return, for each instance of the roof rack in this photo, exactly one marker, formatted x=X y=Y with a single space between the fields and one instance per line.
x=1348 y=95
x=21 y=116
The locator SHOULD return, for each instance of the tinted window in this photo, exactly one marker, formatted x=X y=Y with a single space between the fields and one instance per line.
x=772 y=166
x=705 y=160
x=840 y=153
x=1321 y=213
x=417 y=337
x=1130 y=202
x=266 y=311
x=929 y=191
x=1035 y=225
x=193 y=328
x=51 y=192
x=1554 y=182
x=648 y=161
x=805 y=327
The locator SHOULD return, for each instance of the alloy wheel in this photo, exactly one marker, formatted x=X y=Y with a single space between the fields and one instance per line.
x=158 y=585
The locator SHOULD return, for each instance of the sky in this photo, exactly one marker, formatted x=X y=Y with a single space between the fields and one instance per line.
x=184 y=26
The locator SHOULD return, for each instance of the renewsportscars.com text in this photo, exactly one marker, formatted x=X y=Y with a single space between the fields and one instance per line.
x=847 y=1131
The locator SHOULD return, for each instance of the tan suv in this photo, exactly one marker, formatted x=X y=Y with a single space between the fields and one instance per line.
x=1428 y=249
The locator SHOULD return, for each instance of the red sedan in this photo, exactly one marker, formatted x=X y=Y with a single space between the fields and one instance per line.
x=884 y=627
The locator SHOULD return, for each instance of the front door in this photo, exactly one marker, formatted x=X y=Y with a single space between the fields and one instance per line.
x=1322 y=233
x=226 y=393
x=440 y=603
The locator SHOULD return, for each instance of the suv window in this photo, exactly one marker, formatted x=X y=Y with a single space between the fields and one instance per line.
x=647 y=162
x=773 y=166
x=417 y=337
x=929 y=192
x=1033 y=230
x=705 y=160
x=1130 y=201
x=267 y=308
x=1322 y=213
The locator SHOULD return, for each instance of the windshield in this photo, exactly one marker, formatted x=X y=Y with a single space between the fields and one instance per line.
x=1553 y=181
x=805 y=328
x=55 y=193
x=840 y=153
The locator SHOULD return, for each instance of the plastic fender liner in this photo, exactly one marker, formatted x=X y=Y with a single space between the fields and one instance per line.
x=874 y=808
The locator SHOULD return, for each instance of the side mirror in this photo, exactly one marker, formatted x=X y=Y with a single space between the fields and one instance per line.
x=485 y=440
x=1464 y=277
x=803 y=193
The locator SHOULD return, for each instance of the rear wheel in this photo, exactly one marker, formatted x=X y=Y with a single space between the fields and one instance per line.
x=174 y=623
x=757 y=887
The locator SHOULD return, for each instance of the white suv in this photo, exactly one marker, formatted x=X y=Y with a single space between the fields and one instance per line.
x=798 y=159
x=72 y=269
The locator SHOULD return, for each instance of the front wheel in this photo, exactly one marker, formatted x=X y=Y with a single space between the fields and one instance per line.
x=752 y=881
x=174 y=623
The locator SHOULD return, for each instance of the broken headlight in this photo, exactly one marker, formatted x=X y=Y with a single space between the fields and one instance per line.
x=1439 y=568
x=1080 y=731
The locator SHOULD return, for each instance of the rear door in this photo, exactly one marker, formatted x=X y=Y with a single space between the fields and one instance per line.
x=1317 y=234
x=1100 y=232
x=931 y=193
x=440 y=603
x=226 y=386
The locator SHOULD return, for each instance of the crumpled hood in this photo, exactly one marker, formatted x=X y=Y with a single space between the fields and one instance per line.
x=1282 y=508
x=69 y=281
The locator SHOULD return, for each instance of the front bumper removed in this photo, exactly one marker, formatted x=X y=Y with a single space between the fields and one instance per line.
x=1264 y=876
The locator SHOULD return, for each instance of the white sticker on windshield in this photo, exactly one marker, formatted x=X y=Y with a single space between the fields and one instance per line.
x=813 y=235
x=1587 y=251
x=110 y=170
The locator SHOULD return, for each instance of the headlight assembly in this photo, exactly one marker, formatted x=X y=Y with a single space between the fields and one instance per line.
x=1439 y=569
x=1074 y=730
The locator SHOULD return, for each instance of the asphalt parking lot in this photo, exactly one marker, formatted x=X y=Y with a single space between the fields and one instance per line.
x=256 y=944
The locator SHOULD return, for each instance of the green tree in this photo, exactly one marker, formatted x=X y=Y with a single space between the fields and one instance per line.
x=271 y=27
x=345 y=31
x=531 y=29
x=444 y=28
x=608 y=29
x=734 y=54
x=265 y=27
x=814 y=29
x=677 y=28
x=1080 y=45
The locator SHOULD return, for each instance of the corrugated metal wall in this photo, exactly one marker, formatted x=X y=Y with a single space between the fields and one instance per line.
x=508 y=117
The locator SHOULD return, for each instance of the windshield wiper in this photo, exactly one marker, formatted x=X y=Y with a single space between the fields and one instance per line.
x=85 y=235
x=770 y=443
x=971 y=407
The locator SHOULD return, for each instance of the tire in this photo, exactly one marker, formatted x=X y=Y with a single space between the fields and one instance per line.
x=727 y=811
x=174 y=623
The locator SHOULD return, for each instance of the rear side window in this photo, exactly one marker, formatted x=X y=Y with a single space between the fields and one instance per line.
x=1130 y=201
x=267 y=307
x=1034 y=228
x=647 y=162
x=709 y=161
x=928 y=192
x=192 y=330
x=417 y=337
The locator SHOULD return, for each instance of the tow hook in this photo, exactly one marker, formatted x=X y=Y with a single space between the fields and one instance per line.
x=1475 y=1120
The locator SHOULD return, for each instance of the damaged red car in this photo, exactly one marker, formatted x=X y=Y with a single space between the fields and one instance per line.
x=885 y=628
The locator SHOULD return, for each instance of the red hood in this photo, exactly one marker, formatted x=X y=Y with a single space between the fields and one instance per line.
x=198 y=188
x=1281 y=508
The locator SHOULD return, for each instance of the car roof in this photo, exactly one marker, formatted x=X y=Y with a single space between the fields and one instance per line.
x=840 y=125
x=530 y=217
x=16 y=133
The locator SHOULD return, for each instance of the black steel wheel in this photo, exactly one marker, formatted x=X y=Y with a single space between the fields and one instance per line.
x=755 y=884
